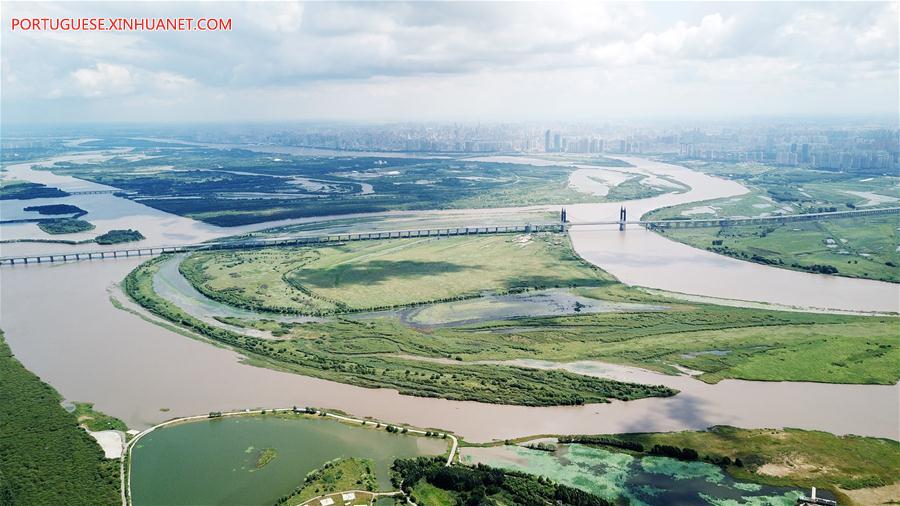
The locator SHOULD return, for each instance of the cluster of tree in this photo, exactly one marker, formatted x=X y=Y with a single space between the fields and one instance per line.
x=603 y=441
x=821 y=268
x=675 y=452
x=474 y=485
x=543 y=447
x=45 y=457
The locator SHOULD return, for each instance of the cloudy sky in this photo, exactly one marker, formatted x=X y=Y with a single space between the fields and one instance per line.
x=456 y=61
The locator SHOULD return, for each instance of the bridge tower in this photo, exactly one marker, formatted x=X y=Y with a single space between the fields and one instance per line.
x=562 y=215
x=622 y=216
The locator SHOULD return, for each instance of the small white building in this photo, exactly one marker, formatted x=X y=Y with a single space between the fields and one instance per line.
x=326 y=502
x=348 y=496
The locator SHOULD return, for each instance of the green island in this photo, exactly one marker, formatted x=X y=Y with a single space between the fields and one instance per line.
x=45 y=457
x=336 y=476
x=58 y=226
x=119 y=236
x=26 y=190
x=864 y=247
x=56 y=209
x=429 y=482
x=265 y=456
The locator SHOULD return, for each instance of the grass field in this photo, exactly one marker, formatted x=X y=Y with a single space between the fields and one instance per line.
x=370 y=275
x=784 y=457
x=45 y=457
x=336 y=476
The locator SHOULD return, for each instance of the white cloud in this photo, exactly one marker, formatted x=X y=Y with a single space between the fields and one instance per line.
x=463 y=58
x=103 y=79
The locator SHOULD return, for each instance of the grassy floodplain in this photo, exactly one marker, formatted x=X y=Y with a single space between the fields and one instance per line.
x=369 y=275
x=45 y=457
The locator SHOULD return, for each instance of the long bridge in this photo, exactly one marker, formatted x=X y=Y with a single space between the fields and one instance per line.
x=94 y=192
x=737 y=222
x=433 y=232
x=289 y=241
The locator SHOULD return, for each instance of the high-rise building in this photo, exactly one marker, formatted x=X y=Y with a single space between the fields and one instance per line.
x=557 y=143
x=547 y=141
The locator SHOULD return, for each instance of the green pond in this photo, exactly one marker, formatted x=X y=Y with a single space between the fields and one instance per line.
x=643 y=481
x=214 y=461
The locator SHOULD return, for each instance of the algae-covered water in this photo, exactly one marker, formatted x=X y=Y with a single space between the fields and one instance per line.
x=215 y=461
x=643 y=480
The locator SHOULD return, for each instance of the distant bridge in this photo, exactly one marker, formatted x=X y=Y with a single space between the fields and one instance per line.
x=292 y=241
x=94 y=192
x=738 y=222
x=433 y=232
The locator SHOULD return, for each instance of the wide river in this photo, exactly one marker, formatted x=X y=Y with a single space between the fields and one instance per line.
x=60 y=323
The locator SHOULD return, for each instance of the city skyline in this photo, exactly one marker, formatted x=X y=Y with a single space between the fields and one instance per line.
x=457 y=62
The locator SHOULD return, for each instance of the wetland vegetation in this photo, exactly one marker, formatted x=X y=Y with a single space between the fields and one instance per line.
x=628 y=478
x=791 y=457
x=235 y=187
